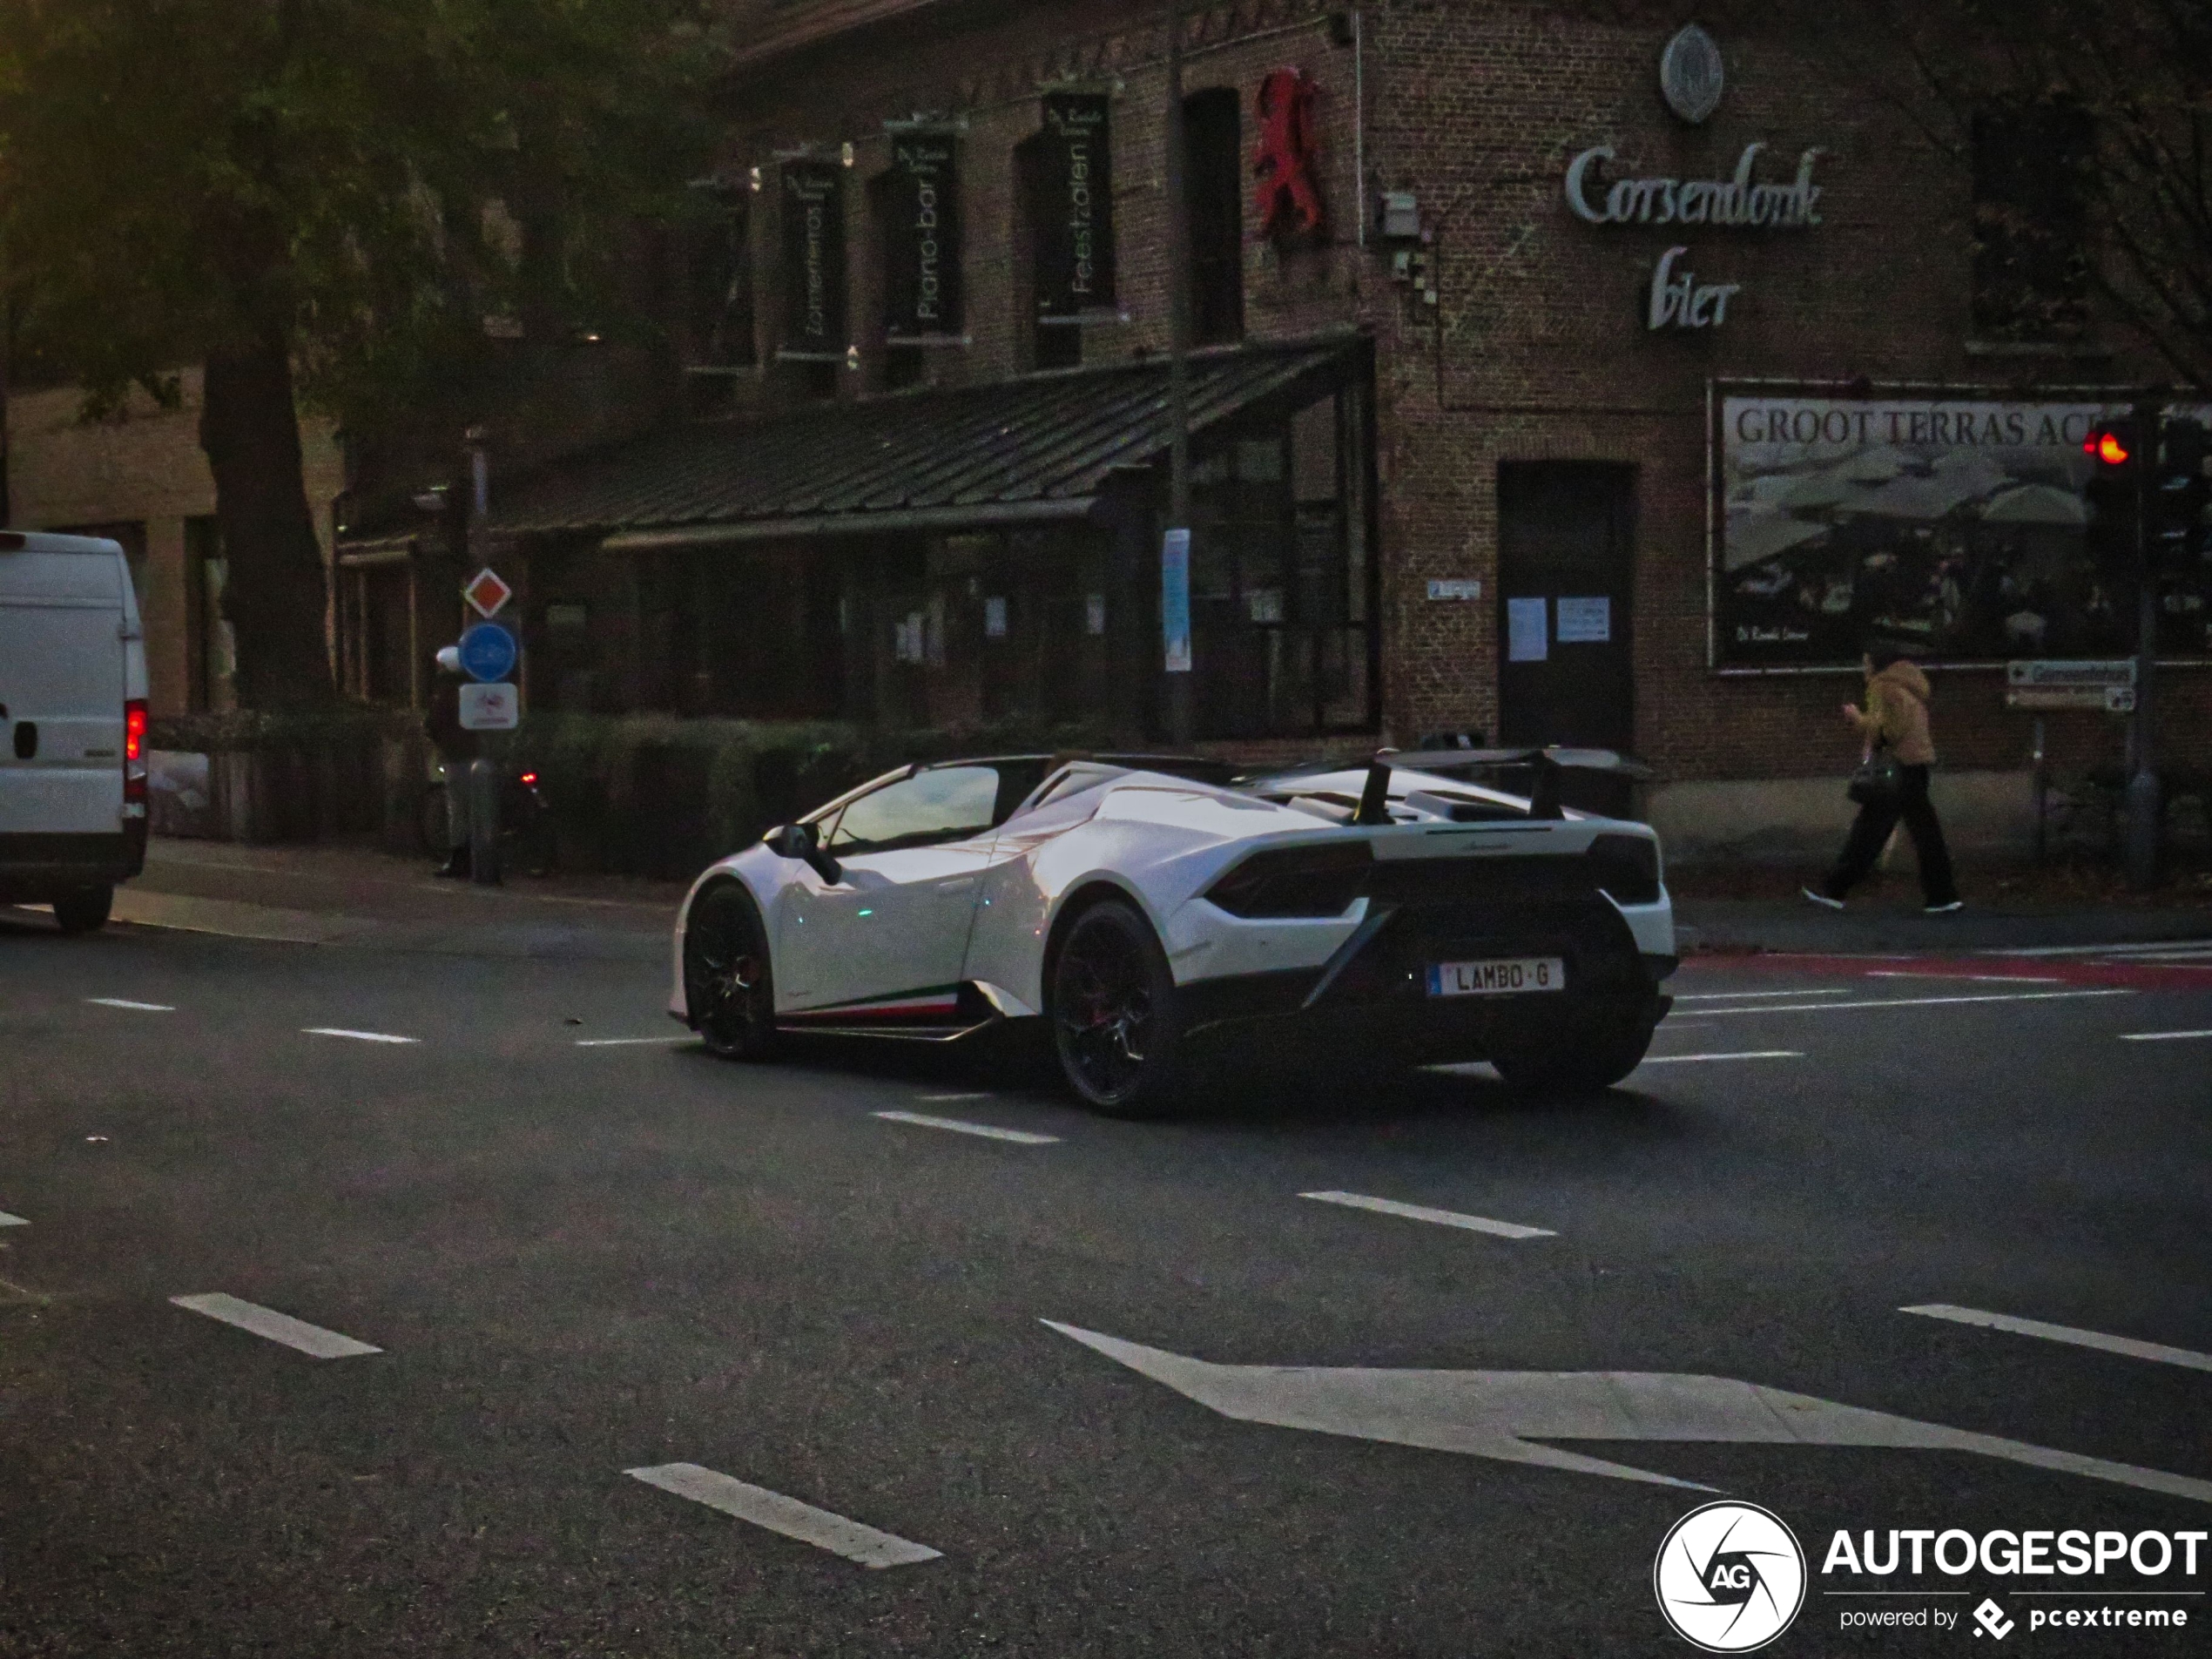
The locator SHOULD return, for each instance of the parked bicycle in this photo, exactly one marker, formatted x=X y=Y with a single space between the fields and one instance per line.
x=526 y=837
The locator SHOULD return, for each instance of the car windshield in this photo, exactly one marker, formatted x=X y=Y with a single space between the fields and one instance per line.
x=943 y=803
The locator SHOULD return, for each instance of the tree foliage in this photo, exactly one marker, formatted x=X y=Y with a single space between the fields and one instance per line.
x=324 y=198
x=2100 y=111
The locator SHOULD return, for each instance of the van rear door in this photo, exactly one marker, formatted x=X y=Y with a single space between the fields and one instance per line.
x=62 y=683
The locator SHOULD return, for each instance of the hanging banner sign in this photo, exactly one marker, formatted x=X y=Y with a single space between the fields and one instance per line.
x=814 y=210
x=1075 y=209
x=921 y=239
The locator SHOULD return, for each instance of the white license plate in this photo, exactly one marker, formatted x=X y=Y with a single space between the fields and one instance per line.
x=1497 y=976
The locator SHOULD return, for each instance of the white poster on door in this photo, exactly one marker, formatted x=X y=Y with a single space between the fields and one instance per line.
x=1585 y=621
x=1527 y=630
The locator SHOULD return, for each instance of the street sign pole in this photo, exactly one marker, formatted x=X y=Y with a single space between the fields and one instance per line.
x=2142 y=781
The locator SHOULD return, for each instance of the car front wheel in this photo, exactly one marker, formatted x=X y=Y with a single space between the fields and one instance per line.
x=1116 y=1018
x=728 y=986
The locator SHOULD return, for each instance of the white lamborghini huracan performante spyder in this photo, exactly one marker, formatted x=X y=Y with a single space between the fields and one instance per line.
x=1152 y=910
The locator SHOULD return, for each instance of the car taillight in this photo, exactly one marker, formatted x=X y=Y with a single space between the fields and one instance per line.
x=1296 y=882
x=1628 y=868
x=134 y=752
x=530 y=778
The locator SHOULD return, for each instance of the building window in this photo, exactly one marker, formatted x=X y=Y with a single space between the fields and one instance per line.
x=1051 y=345
x=1282 y=592
x=2031 y=271
x=1213 y=189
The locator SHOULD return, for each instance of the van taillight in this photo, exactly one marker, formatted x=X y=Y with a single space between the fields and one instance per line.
x=134 y=751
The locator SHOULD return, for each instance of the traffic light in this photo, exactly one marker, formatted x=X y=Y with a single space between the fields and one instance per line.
x=2178 y=497
x=2113 y=533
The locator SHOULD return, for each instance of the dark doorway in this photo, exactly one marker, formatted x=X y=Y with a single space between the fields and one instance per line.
x=1566 y=585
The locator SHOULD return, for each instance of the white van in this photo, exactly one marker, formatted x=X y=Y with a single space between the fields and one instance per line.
x=72 y=725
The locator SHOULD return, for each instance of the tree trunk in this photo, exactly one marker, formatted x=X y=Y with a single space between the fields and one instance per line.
x=275 y=596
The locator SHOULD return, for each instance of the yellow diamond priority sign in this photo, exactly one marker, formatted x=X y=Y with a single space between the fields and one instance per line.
x=487 y=592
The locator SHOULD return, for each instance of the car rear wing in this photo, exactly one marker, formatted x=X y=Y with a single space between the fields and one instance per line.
x=1549 y=762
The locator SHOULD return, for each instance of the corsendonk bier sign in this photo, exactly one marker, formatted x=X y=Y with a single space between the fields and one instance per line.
x=1949 y=526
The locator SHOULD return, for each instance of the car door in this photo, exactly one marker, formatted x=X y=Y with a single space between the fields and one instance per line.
x=895 y=922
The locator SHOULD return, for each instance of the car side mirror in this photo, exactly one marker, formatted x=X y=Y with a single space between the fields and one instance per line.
x=801 y=841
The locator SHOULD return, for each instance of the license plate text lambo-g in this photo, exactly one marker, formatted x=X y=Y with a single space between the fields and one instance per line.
x=1497 y=976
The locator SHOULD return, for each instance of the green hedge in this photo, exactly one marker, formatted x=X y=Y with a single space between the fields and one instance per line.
x=653 y=794
x=243 y=732
x=641 y=794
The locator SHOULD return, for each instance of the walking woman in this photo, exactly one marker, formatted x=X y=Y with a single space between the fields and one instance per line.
x=1895 y=719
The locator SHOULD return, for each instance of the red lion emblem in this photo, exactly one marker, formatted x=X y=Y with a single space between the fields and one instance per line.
x=1289 y=203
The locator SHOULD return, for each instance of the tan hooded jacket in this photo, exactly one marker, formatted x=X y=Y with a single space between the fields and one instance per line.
x=1897 y=713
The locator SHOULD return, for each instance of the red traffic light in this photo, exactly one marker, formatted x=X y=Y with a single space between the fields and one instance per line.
x=2108 y=447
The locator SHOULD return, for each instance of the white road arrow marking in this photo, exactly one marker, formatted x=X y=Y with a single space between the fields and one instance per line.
x=1502 y=1414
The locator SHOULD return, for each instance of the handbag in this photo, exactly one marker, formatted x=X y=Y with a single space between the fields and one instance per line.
x=1879 y=780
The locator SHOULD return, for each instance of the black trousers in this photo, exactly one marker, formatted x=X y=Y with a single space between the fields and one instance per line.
x=1870 y=833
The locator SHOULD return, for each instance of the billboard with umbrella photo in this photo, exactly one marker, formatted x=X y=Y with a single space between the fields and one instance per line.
x=1950 y=525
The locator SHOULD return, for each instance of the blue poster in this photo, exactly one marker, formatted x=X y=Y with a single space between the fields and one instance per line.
x=1174 y=599
x=1527 y=630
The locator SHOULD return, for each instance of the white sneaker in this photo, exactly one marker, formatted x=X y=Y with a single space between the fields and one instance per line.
x=1822 y=899
x=1944 y=909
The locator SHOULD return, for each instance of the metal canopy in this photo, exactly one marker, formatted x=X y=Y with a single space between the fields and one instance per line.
x=1036 y=449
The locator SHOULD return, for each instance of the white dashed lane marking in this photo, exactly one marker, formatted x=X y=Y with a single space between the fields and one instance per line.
x=123 y=1002
x=2079 y=1338
x=946 y=1100
x=1747 y=1054
x=310 y=1340
x=1979 y=979
x=628 y=1042
x=358 y=1036
x=7 y=1220
x=1019 y=1137
x=2162 y=1036
x=789 y=1516
x=1746 y=996
x=1440 y=1218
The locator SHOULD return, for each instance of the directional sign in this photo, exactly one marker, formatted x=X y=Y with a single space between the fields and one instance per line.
x=2119 y=671
x=490 y=708
x=486 y=592
x=488 y=652
x=2112 y=699
x=1507 y=1414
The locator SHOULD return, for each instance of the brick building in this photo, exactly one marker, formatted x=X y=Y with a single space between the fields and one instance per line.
x=1608 y=403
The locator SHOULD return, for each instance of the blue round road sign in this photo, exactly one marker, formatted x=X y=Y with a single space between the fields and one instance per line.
x=488 y=652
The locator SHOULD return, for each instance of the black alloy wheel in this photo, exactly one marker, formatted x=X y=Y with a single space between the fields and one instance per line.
x=1115 y=1020
x=727 y=983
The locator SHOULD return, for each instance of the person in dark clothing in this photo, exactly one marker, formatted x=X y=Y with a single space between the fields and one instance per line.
x=1896 y=718
x=456 y=748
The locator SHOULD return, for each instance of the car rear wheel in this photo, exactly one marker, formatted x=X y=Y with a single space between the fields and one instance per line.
x=1116 y=1021
x=728 y=983
x=1574 y=1062
x=83 y=911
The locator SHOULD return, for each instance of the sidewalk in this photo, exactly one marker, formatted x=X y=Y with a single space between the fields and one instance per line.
x=2016 y=907
x=354 y=895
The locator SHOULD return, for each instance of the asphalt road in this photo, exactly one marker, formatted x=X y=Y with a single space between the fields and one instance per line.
x=578 y=1256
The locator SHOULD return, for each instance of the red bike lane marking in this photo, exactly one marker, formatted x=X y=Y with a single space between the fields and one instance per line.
x=1902 y=973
